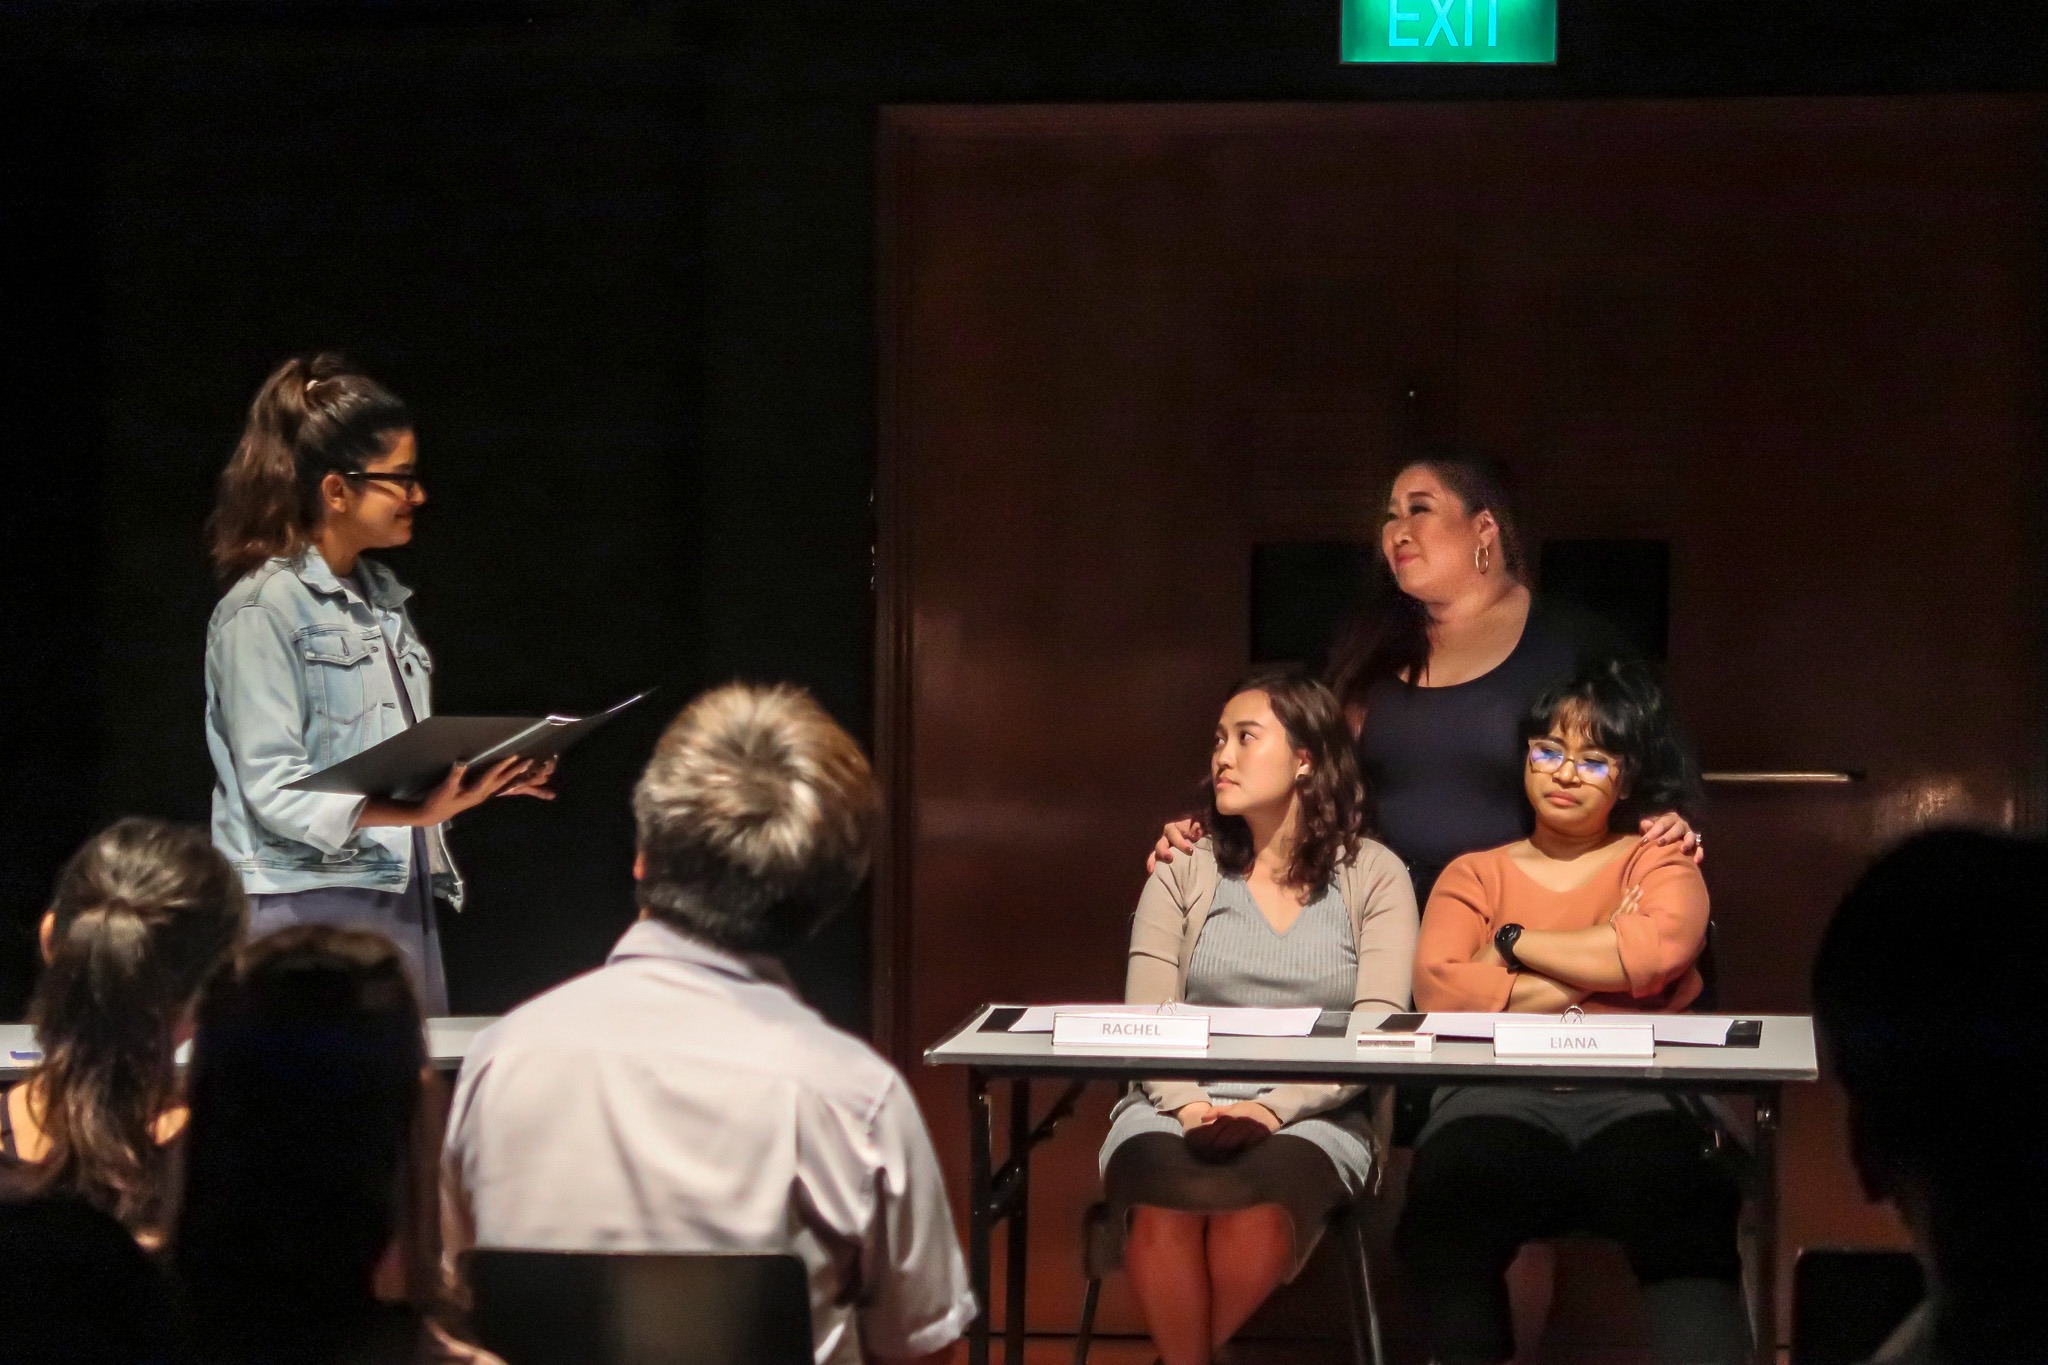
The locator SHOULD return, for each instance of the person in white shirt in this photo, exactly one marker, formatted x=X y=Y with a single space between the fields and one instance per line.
x=681 y=1098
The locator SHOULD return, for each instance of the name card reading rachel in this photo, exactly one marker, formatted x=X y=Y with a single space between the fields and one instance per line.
x=1131 y=1032
x=1576 y=1041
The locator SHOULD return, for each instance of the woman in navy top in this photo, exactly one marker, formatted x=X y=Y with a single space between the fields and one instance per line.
x=1436 y=681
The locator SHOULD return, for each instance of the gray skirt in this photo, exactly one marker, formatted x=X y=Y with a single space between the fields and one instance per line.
x=1309 y=1168
x=405 y=917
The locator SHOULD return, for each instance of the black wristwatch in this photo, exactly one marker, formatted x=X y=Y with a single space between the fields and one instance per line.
x=1504 y=944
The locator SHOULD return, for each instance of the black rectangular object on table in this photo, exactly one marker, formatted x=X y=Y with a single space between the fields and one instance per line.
x=414 y=761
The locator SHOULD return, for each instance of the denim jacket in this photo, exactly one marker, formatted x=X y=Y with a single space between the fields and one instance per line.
x=297 y=679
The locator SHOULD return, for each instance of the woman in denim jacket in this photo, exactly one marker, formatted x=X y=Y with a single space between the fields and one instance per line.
x=311 y=657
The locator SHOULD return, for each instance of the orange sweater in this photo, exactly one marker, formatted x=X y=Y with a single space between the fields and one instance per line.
x=1482 y=891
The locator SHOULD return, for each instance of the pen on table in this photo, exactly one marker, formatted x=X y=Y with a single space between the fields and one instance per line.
x=32 y=1055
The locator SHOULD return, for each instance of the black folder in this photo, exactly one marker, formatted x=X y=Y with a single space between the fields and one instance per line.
x=413 y=762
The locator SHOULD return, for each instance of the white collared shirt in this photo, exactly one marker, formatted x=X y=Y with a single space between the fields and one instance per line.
x=676 y=1099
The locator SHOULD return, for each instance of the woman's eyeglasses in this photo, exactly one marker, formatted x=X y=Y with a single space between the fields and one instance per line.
x=1546 y=757
x=408 y=484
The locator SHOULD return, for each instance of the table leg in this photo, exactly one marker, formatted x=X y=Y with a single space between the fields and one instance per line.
x=980 y=1217
x=1763 y=1310
x=1016 y=1258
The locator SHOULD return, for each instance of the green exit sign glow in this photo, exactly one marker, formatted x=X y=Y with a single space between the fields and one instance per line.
x=1523 y=31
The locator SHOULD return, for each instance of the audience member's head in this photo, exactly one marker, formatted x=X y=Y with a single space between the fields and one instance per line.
x=755 y=818
x=1933 y=1026
x=75 y=1289
x=301 y=1162
x=1614 y=711
x=142 y=912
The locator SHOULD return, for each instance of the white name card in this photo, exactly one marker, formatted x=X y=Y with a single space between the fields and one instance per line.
x=1581 y=1040
x=1131 y=1032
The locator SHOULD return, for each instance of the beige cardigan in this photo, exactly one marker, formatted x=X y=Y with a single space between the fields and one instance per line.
x=1171 y=910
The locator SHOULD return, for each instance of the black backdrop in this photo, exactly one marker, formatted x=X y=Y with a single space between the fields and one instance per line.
x=619 y=257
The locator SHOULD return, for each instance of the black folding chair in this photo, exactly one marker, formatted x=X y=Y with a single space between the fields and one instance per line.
x=595 y=1308
x=1845 y=1302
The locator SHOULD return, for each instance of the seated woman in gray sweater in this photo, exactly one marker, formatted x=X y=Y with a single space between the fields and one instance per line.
x=1224 y=1189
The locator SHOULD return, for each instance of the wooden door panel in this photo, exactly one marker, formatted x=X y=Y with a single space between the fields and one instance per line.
x=1803 y=345
x=1082 y=411
x=1799 y=340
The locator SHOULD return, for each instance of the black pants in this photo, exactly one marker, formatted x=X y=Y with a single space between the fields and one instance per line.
x=1482 y=1186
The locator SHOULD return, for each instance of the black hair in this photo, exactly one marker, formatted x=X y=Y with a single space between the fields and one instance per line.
x=1624 y=711
x=79 y=1289
x=1895 y=944
x=314 y=416
x=1389 y=638
x=140 y=914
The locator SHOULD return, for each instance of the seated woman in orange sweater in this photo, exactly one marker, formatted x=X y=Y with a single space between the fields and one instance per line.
x=1580 y=913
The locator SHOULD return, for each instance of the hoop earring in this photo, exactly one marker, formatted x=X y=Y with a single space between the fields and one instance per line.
x=1481 y=557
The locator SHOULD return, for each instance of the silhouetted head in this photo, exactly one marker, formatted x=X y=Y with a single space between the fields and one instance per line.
x=1927 y=994
x=305 y=1093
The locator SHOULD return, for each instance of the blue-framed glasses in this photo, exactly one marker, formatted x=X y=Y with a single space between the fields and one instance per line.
x=1547 y=757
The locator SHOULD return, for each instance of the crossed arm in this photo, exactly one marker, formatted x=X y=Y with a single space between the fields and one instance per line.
x=1649 y=938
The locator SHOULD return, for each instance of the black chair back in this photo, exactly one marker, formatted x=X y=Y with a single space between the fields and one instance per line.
x=595 y=1308
x=1846 y=1302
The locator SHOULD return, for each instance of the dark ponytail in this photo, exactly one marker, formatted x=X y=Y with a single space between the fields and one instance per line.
x=141 y=914
x=315 y=416
x=1390 y=638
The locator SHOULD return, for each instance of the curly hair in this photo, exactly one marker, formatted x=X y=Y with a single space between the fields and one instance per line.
x=1621 y=709
x=1332 y=818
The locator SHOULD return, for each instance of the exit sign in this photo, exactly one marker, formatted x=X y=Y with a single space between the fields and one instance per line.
x=1523 y=31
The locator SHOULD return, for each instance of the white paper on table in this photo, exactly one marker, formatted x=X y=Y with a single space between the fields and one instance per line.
x=1709 y=1030
x=1239 y=1021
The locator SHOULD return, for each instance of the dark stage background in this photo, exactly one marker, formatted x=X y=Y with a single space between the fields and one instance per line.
x=620 y=258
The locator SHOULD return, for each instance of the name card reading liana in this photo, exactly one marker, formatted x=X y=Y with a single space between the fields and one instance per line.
x=1131 y=1032
x=1581 y=1040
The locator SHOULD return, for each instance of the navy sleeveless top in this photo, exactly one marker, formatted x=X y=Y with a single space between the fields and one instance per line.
x=1444 y=764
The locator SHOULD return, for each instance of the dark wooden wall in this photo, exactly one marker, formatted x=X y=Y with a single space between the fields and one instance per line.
x=638 y=228
x=1798 y=340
